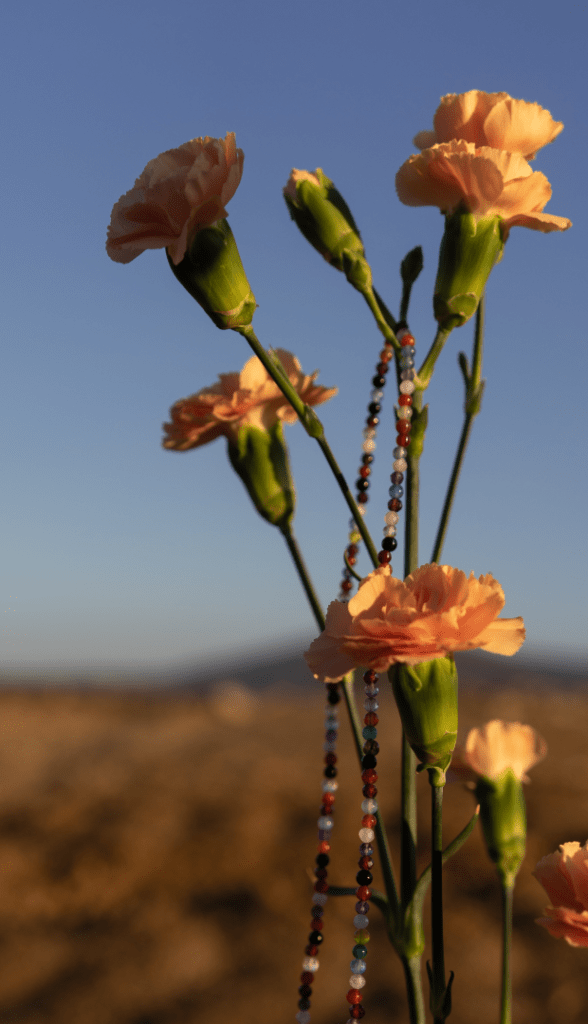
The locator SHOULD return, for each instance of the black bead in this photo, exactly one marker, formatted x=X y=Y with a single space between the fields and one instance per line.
x=333 y=696
x=371 y=747
x=315 y=938
x=322 y=859
x=330 y=771
x=396 y=477
x=304 y=1004
x=361 y=484
x=374 y=407
x=368 y=761
x=367 y=459
x=378 y=381
x=363 y=878
x=305 y=991
x=389 y=543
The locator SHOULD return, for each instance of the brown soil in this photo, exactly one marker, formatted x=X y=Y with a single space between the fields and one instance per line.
x=156 y=855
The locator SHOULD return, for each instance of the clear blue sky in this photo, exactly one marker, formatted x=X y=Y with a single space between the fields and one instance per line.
x=119 y=553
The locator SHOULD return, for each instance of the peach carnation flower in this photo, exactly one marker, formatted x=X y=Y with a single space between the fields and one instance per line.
x=497 y=747
x=180 y=191
x=491 y=119
x=564 y=876
x=486 y=182
x=436 y=610
x=250 y=397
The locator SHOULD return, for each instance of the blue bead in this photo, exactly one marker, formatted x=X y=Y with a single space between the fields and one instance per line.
x=358 y=966
x=396 y=491
x=360 y=951
x=369 y=732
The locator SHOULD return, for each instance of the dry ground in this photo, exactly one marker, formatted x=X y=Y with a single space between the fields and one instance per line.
x=155 y=855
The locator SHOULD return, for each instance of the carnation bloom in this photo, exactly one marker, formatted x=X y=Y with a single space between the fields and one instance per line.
x=484 y=181
x=491 y=119
x=497 y=747
x=249 y=398
x=180 y=191
x=436 y=610
x=564 y=876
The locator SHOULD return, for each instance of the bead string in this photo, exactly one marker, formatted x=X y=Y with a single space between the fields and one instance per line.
x=371 y=747
x=310 y=964
x=368 y=447
x=367 y=834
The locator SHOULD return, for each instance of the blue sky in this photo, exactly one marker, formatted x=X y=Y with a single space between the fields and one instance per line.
x=119 y=553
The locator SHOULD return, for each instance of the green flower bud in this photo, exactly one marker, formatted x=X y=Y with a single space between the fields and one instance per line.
x=260 y=457
x=504 y=823
x=411 y=266
x=426 y=697
x=327 y=223
x=213 y=273
x=469 y=250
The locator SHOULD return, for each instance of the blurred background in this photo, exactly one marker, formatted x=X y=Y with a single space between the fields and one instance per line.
x=161 y=740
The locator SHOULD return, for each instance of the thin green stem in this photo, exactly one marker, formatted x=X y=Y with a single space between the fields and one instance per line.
x=314 y=428
x=303 y=574
x=474 y=388
x=438 y=973
x=414 y=989
x=505 y=1000
x=382 y=840
x=408 y=835
x=374 y=302
x=390 y=320
x=426 y=370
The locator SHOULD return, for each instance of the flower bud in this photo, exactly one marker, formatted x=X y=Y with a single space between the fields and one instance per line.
x=504 y=823
x=426 y=697
x=327 y=223
x=260 y=457
x=212 y=272
x=469 y=250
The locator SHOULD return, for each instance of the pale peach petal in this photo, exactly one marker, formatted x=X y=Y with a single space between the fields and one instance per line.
x=504 y=636
x=180 y=190
x=544 y=222
x=499 y=746
x=566 y=924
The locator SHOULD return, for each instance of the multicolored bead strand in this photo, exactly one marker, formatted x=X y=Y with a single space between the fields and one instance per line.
x=310 y=963
x=362 y=483
x=367 y=834
x=403 y=425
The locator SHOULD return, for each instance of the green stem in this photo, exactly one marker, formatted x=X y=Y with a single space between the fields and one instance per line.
x=377 y=308
x=303 y=574
x=385 y=311
x=505 y=1001
x=426 y=370
x=473 y=398
x=314 y=428
x=438 y=974
x=414 y=989
x=382 y=840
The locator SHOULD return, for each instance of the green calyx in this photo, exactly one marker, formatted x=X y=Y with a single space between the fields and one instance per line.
x=326 y=221
x=469 y=250
x=213 y=274
x=426 y=697
x=260 y=457
x=504 y=822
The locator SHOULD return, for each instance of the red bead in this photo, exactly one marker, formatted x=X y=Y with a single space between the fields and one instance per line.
x=311 y=950
x=386 y=355
x=307 y=977
x=394 y=505
x=403 y=440
x=371 y=718
x=384 y=557
x=346 y=586
x=368 y=820
x=363 y=893
x=320 y=872
x=370 y=676
x=317 y=923
x=321 y=885
x=329 y=798
x=369 y=791
x=324 y=846
x=364 y=471
x=353 y=996
x=382 y=369
x=403 y=426
x=372 y=421
x=405 y=400
x=362 y=499
x=407 y=340
x=330 y=758
x=351 y=550
x=369 y=775
x=357 y=1012
x=366 y=863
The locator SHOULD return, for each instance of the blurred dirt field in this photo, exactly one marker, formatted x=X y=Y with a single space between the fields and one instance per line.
x=156 y=856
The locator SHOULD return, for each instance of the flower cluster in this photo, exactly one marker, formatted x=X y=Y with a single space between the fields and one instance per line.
x=249 y=398
x=476 y=159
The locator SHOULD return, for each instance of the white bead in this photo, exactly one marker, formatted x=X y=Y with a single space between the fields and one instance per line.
x=330 y=746
x=332 y=724
x=330 y=786
x=361 y=921
x=368 y=446
x=376 y=395
x=303 y=1017
x=391 y=518
x=367 y=835
x=369 y=806
x=361 y=508
x=399 y=452
x=406 y=387
x=320 y=898
x=405 y=412
x=369 y=432
x=357 y=981
x=310 y=963
x=325 y=823
x=400 y=465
